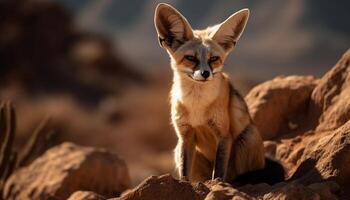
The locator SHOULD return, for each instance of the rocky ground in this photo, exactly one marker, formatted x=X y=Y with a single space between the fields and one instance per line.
x=304 y=121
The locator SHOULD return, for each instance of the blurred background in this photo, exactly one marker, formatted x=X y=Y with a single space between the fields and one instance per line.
x=96 y=69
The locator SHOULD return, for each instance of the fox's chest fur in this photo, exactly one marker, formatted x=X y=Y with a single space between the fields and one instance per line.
x=196 y=98
x=203 y=108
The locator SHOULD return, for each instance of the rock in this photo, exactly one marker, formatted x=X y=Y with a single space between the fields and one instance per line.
x=326 y=190
x=220 y=190
x=85 y=195
x=318 y=155
x=330 y=105
x=275 y=103
x=65 y=169
x=291 y=191
x=165 y=187
x=322 y=152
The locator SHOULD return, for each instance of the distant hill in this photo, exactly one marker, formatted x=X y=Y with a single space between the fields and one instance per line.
x=282 y=37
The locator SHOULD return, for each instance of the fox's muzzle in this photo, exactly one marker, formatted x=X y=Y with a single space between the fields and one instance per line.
x=202 y=73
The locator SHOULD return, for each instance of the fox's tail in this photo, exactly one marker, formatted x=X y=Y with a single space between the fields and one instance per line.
x=272 y=173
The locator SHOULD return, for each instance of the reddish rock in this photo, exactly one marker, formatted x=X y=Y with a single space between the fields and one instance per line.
x=274 y=104
x=65 y=169
x=322 y=153
x=330 y=105
x=220 y=190
x=85 y=195
x=165 y=187
x=318 y=155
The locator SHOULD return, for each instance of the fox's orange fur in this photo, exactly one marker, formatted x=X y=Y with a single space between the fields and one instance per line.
x=216 y=136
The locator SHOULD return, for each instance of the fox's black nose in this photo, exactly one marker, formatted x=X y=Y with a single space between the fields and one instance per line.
x=205 y=74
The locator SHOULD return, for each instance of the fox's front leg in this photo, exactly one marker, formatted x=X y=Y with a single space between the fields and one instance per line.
x=222 y=158
x=184 y=154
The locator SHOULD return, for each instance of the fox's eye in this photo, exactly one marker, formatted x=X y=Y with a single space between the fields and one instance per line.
x=213 y=59
x=191 y=58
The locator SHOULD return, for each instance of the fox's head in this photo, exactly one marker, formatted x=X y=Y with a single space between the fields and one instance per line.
x=197 y=54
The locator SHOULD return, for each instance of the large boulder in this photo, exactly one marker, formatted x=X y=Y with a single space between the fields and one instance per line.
x=323 y=152
x=286 y=103
x=65 y=169
x=320 y=150
x=330 y=104
x=275 y=104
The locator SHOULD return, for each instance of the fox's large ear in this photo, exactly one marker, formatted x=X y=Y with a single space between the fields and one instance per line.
x=228 y=32
x=172 y=28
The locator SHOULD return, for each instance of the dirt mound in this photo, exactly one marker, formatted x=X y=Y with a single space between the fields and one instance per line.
x=165 y=187
x=65 y=169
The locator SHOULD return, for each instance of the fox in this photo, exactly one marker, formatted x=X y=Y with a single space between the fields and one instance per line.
x=217 y=137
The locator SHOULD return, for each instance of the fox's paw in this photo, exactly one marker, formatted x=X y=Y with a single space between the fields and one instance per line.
x=184 y=178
